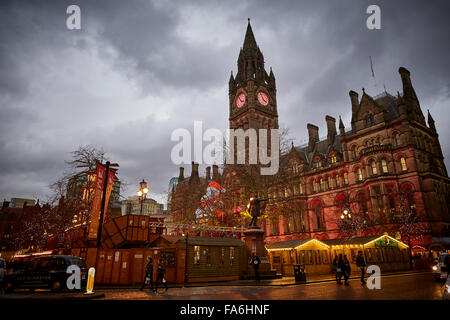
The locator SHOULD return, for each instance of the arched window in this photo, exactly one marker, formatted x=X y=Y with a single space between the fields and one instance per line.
x=318 y=214
x=329 y=182
x=322 y=184
x=373 y=167
x=370 y=121
x=359 y=174
x=362 y=204
x=300 y=188
x=336 y=177
x=384 y=166
x=403 y=164
x=345 y=178
x=333 y=158
x=397 y=139
x=314 y=186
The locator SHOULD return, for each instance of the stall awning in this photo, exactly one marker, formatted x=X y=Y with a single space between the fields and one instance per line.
x=293 y=244
x=377 y=241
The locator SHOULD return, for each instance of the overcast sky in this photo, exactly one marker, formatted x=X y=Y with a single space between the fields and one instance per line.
x=139 y=69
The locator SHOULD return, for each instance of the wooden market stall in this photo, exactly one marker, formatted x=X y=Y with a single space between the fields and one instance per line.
x=317 y=255
x=312 y=253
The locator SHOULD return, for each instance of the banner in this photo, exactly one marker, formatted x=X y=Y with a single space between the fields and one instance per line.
x=96 y=202
x=111 y=177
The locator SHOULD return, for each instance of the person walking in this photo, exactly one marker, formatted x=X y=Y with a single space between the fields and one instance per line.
x=347 y=269
x=361 y=265
x=256 y=262
x=334 y=266
x=340 y=269
x=148 y=274
x=160 y=270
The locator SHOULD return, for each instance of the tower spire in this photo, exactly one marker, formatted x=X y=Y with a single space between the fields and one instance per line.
x=249 y=40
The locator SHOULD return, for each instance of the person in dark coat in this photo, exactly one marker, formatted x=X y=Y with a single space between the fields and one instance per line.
x=255 y=262
x=334 y=265
x=340 y=269
x=347 y=269
x=148 y=273
x=161 y=271
x=362 y=265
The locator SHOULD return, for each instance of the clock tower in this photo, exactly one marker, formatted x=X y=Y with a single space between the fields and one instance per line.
x=252 y=93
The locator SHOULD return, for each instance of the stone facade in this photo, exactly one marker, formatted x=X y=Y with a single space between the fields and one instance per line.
x=389 y=151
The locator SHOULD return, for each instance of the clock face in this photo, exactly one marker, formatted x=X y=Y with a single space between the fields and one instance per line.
x=240 y=100
x=263 y=98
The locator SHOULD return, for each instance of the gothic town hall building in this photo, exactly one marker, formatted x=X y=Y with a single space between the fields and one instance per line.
x=386 y=163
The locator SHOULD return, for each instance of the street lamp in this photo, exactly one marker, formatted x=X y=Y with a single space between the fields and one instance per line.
x=142 y=192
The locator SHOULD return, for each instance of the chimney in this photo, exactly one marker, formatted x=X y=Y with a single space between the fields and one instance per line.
x=194 y=169
x=181 y=176
x=313 y=133
x=5 y=204
x=208 y=173
x=215 y=172
x=331 y=128
x=194 y=178
x=354 y=99
x=408 y=90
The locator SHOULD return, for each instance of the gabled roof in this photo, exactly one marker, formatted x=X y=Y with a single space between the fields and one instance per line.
x=292 y=244
x=205 y=241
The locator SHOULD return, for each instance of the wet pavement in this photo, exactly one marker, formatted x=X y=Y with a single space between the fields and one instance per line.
x=403 y=286
x=420 y=286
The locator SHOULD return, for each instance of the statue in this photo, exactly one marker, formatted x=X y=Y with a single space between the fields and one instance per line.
x=254 y=209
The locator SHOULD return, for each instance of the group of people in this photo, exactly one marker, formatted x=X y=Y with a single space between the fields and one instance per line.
x=148 y=278
x=341 y=267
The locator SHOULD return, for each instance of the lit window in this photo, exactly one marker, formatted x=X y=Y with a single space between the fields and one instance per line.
x=345 y=178
x=196 y=254
x=295 y=189
x=322 y=186
x=337 y=180
x=403 y=163
x=329 y=182
x=314 y=186
x=222 y=255
x=384 y=166
x=374 y=167
x=360 y=176
x=397 y=139
x=231 y=255
x=300 y=188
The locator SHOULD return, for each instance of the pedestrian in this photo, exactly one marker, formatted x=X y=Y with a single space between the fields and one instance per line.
x=255 y=262
x=347 y=269
x=447 y=264
x=334 y=265
x=2 y=274
x=340 y=269
x=361 y=265
x=148 y=278
x=160 y=270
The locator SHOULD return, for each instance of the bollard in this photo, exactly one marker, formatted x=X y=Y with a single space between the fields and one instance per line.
x=90 y=281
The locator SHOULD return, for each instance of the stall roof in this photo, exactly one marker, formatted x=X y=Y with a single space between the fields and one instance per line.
x=206 y=241
x=353 y=240
x=359 y=240
x=291 y=244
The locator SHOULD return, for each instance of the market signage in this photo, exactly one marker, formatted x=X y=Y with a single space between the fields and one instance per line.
x=386 y=242
x=97 y=202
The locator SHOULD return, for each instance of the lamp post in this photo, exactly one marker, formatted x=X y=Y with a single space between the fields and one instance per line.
x=142 y=192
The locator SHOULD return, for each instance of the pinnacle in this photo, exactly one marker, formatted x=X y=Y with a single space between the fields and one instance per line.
x=249 y=41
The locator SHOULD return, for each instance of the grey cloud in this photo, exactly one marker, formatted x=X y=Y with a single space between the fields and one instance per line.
x=139 y=69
